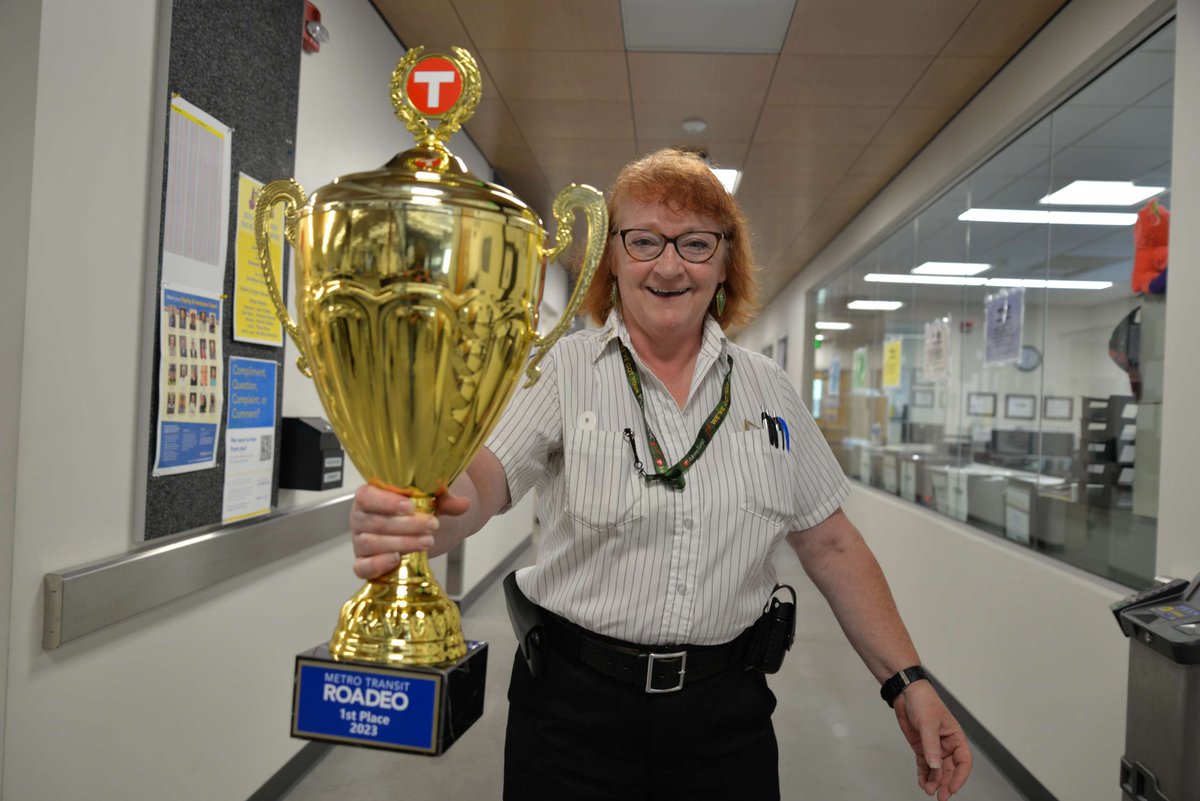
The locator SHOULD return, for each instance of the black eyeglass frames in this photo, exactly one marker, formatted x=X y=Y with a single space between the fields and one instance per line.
x=696 y=247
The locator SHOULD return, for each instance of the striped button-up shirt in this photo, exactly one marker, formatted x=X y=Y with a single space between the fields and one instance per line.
x=641 y=561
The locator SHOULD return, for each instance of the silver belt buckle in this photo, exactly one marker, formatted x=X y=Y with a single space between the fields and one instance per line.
x=652 y=658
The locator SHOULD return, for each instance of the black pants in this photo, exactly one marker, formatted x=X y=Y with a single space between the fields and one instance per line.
x=576 y=734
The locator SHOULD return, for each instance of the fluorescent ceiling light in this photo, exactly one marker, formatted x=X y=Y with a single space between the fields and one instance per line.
x=1040 y=217
x=874 y=305
x=950 y=280
x=1101 y=193
x=1041 y=283
x=706 y=26
x=820 y=337
x=950 y=268
x=905 y=278
x=827 y=326
x=728 y=178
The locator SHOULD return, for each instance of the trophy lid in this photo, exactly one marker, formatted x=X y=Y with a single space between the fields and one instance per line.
x=421 y=175
x=426 y=88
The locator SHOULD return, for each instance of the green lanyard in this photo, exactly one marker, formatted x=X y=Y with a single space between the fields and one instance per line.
x=673 y=476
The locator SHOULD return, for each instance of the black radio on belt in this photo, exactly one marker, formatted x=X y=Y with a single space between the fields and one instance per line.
x=773 y=633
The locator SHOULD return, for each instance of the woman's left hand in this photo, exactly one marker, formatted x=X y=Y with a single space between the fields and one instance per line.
x=943 y=756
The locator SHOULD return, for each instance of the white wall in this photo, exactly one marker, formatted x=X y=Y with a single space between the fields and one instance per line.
x=1025 y=642
x=19 y=28
x=190 y=700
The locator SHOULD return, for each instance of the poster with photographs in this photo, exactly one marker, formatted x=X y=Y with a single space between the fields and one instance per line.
x=189 y=381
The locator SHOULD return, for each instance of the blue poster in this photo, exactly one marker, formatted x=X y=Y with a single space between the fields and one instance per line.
x=190 y=392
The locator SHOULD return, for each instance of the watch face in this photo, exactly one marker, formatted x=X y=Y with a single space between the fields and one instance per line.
x=1030 y=358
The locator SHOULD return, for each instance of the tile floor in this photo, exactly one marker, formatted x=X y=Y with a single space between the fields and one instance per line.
x=836 y=738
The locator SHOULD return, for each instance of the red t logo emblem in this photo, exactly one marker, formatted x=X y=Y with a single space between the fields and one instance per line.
x=434 y=85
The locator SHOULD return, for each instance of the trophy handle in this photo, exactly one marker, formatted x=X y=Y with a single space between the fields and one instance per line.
x=289 y=193
x=591 y=202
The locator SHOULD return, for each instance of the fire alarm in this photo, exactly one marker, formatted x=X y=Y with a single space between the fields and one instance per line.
x=314 y=32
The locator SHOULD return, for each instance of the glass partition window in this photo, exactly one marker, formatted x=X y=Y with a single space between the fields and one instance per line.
x=998 y=359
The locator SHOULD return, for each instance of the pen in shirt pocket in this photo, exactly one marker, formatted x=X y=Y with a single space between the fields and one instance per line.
x=778 y=434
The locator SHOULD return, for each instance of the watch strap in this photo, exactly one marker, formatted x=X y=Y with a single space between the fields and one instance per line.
x=892 y=688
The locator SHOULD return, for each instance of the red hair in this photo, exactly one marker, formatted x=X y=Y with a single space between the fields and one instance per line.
x=681 y=181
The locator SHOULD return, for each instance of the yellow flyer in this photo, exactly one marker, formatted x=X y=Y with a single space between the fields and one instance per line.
x=892 y=352
x=254 y=317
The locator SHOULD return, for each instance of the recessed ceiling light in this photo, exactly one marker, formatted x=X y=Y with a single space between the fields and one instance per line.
x=874 y=305
x=1039 y=217
x=1101 y=193
x=950 y=268
x=728 y=178
x=820 y=337
x=951 y=280
x=829 y=326
x=695 y=126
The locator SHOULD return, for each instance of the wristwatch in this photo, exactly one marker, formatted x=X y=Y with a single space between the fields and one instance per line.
x=892 y=688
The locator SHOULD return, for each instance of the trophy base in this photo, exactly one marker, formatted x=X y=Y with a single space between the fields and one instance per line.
x=421 y=710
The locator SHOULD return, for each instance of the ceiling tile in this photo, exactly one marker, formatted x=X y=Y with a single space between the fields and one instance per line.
x=912 y=28
x=771 y=184
x=820 y=124
x=573 y=119
x=559 y=74
x=539 y=25
x=434 y=24
x=674 y=77
x=597 y=177
x=882 y=160
x=773 y=227
x=729 y=121
x=1000 y=27
x=492 y=127
x=720 y=153
x=566 y=152
x=860 y=185
x=912 y=126
x=845 y=80
x=790 y=160
x=951 y=81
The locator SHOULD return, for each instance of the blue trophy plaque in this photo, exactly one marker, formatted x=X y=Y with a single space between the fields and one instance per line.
x=422 y=710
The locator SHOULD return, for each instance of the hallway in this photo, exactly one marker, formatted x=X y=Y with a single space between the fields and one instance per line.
x=836 y=739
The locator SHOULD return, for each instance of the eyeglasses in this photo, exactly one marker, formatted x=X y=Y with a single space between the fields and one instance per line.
x=696 y=247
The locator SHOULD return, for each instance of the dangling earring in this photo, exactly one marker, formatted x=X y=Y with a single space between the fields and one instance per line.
x=612 y=294
x=721 y=300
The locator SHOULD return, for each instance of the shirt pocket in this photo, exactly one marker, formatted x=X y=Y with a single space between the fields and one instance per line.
x=766 y=479
x=603 y=490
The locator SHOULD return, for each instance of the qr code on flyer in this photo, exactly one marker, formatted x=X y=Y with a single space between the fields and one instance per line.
x=267 y=448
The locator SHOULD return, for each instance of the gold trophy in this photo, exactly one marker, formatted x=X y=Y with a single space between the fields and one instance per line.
x=417 y=296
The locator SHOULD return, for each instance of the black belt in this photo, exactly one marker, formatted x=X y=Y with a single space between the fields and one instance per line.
x=658 y=669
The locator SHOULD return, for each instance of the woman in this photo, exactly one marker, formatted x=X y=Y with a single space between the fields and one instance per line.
x=670 y=464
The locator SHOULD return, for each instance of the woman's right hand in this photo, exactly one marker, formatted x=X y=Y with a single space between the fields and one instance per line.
x=384 y=525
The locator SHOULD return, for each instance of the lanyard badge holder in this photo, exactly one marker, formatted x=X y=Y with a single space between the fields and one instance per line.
x=773 y=633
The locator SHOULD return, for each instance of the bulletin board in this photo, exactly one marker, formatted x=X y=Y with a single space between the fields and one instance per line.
x=239 y=64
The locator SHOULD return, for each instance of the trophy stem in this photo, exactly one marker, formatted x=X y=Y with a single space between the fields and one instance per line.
x=401 y=618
